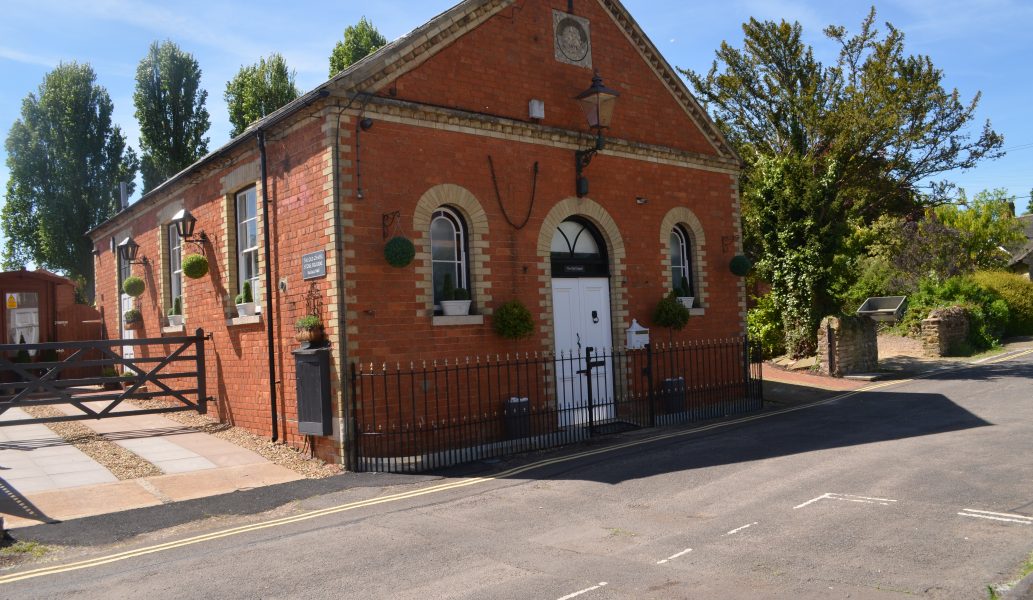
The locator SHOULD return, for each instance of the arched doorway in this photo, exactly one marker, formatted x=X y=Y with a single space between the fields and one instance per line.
x=581 y=318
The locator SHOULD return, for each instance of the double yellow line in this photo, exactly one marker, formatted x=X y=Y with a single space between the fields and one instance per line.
x=444 y=487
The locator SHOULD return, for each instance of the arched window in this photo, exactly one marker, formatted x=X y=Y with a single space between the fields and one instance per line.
x=681 y=262
x=448 y=237
x=578 y=250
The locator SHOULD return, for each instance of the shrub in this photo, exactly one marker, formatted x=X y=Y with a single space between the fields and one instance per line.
x=873 y=277
x=195 y=266
x=132 y=316
x=133 y=286
x=245 y=294
x=1017 y=293
x=513 y=321
x=399 y=251
x=764 y=327
x=308 y=323
x=448 y=288
x=670 y=313
x=740 y=265
x=988 y=312
x=461 y=294
x=683 y=288
x=177 y=307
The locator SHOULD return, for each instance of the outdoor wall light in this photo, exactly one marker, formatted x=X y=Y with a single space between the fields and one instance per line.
x=597 y=102
x=185 y=223
x=128 y=249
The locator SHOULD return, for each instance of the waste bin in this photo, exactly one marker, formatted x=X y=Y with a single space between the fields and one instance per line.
x=673 y=392
x=516 y=415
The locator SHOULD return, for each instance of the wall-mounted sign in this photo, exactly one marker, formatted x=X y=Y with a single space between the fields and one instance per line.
x=313 y=266
x=12 y=301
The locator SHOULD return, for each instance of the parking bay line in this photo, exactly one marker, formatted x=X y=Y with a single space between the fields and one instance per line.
x=584 y=591
x=737 y=530
x=847 y=498
x=674 y=556
x=996 y=516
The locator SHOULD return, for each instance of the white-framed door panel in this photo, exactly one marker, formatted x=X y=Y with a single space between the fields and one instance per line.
x=581 y=317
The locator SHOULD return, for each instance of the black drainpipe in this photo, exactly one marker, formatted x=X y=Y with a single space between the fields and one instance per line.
x=268 y=289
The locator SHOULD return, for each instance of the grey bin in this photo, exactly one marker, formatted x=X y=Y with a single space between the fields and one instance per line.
x=313 y=385
x=884 y=308
x=516 y=417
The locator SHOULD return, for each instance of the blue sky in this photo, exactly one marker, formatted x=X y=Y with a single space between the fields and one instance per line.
x=981 y=45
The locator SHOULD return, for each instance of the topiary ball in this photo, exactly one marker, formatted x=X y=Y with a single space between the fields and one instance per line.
x=399 y=252
x=133 y=286
x=513 y=321
x=740 y=265
x=195 y=266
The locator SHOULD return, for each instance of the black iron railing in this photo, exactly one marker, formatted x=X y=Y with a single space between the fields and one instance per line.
x=103 y=374
x=446 y=412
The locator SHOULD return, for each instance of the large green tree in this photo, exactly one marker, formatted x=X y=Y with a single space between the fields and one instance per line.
x=829 y=147
x=986 y=225
x=258 y=90
x=360 y=40
x=66 y=160
x=170 y=109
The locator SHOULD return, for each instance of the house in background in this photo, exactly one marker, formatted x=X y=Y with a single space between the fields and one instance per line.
x=1022 y=257
x=481 y=138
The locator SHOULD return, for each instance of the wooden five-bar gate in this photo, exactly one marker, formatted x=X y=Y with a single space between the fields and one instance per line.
x=169 y=368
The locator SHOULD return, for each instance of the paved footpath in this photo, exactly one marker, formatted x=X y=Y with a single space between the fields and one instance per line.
x=45 y=479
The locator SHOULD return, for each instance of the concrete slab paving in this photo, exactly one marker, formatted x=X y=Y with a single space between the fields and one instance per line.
x=43 y=478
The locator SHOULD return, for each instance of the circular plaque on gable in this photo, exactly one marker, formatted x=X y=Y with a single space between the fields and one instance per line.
x=572 y=40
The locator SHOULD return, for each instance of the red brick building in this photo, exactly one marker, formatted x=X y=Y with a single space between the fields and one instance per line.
x=461 y=137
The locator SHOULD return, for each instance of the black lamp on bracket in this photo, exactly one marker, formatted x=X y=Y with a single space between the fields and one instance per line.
x=598 y=102
x=128 y=249
x=185 y=223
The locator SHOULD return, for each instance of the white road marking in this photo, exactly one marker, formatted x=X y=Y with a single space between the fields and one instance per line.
x=673 y=556
x=847 y=498
x=995 y=516
x=735 y=531
x=584 y=591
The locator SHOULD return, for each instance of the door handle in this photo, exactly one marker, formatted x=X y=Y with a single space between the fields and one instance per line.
x=595 y=316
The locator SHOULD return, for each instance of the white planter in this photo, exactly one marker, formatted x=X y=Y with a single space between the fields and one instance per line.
x=686 y=301
x=175 y=320
x=247 y=309
x=455 y=308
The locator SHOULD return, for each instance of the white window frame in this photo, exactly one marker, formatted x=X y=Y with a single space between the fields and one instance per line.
x=247 y=253
x=460 y=265
x=175 y=265
x=682 y=246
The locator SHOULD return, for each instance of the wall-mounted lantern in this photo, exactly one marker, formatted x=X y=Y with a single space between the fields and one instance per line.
x=185 y=223
x=128 y=249
x=598 y=102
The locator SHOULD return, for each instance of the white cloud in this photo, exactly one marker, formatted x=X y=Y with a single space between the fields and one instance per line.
x=27 y=58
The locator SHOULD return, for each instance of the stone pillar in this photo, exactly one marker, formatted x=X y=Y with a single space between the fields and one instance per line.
x=847 y=345
x=945 y=331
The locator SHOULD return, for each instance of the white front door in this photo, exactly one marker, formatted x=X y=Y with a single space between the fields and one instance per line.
x=581 y=314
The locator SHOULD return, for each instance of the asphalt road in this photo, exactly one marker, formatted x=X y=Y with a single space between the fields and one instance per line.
x=923 y=489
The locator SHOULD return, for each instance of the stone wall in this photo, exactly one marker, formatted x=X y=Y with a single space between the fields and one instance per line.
x=847 y=345
x=945 y=331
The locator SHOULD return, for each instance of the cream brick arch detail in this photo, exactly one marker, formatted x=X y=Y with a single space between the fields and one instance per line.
x=597 y=215
x=462 y=201
x=698 y=242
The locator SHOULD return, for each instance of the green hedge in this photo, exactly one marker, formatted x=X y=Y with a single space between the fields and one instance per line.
x=988 y=311
x=1017 y=292
x=764 y=327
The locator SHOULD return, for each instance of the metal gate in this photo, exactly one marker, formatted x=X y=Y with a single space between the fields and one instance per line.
x=171 y=368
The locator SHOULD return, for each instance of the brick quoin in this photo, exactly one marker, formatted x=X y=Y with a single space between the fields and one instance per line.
x=442 y=101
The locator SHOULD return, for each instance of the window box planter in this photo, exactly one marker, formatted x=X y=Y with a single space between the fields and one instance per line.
x=175 y=320
x=455 y=308
x=686 y=301
x=247 y=309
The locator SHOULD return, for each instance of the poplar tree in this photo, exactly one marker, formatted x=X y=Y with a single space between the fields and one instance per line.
x=66 y=160
x=360 y=40
x=170 y=109
x=258 y=90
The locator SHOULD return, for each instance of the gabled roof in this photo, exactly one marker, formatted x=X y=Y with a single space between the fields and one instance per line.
x=405 y=53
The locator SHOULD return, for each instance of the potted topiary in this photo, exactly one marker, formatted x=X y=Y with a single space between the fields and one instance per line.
x=455 y=302
x=672 y=314
x=176 y=313
x=513 y=321
x=132 y=319
x=683 y=293
x=310 y=330
x=246 y=301
x=195 y=266
x=133 y=286
x=111 y=376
